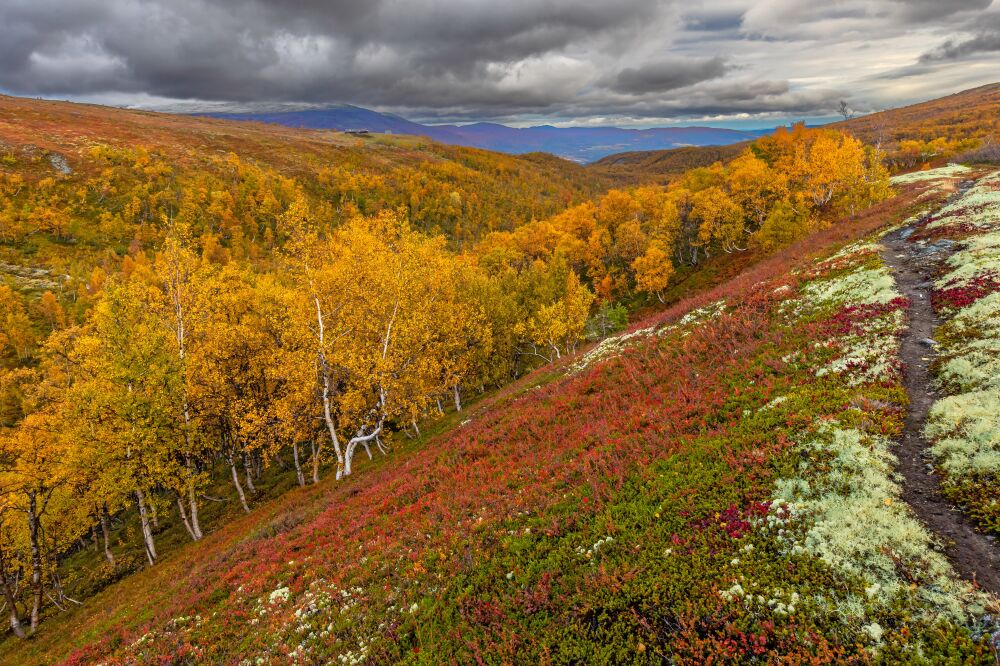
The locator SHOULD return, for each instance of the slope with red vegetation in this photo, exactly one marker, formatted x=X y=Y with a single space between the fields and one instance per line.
x=603 y=515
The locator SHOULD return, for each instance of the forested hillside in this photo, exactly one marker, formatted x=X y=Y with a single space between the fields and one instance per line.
x=246 y=371
x=911 y=136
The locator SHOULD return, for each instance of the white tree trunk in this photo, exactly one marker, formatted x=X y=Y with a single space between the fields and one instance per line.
x=36 y=561
x=9 y=599
x=193 y=497
x=246 y=468
x=458 y=398
x=239 y=488
x=102 y=513
x=147 y=532
x=184 y=518
x=327 y=410
x=176 y=282
x=299 y=476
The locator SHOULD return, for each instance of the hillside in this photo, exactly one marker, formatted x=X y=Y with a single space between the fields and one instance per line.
x=661 y=166
x=718 y=483
x=440 y=184
x=929 y=131
x=969 y=113
x=580 y=144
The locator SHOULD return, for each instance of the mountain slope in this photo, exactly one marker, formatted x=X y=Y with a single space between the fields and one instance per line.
x=971 y=113
x=462 y=192
x=717 y=483
x=581 y=144
x=661 y=166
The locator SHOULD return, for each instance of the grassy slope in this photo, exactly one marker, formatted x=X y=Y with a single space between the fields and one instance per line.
x=598 y=515
x=970 y=113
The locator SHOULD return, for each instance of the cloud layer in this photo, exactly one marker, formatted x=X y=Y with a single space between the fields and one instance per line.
x=631 y=61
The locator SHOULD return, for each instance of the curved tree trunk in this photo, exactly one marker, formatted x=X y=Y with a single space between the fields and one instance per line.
x=8 y=596
x=236 y=482
x=184 y=517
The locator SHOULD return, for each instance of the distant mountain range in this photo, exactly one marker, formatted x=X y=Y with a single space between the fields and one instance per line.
x=580 y=144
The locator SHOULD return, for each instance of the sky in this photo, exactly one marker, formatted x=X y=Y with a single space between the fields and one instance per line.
x=634 y=63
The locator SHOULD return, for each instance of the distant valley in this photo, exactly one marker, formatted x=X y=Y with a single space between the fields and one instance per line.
x=579 y=144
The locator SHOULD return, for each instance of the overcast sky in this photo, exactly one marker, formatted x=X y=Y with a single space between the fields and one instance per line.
x=624 y=62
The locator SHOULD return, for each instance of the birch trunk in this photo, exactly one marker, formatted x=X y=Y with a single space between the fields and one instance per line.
x=236 y=482
x=184 y=517
x=147 y=532
x=106 y=531
x=327 y=411
x=178 y=280
x=36 y=560
x=458 y=399
x=246 y=468
x=299 y=476
x=192 y=493
x=8 y=596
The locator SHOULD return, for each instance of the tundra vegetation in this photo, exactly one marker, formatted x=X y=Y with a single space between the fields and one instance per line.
x=965 y=423
x=238 y=317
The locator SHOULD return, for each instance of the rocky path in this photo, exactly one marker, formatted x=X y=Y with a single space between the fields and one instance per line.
x=973 y=555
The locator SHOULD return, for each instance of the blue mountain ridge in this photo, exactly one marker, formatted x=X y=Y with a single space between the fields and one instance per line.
x=579 y=144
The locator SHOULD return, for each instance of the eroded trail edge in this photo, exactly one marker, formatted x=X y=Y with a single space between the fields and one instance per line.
x=972 y=554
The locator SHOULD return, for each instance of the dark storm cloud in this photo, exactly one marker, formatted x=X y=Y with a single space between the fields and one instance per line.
x=921 y=11
x=985 y=38
x=667 y=74
x=310 y=50
x=470 y=59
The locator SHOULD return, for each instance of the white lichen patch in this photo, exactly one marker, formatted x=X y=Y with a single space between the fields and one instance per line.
x=966 y=433
x=611 y=346
x=616 y=345
x=978 y=207
x=949 y=171
x=844 y=507
x=871 y=354
x=860 y=287
x=979 y=255
x=964 y=428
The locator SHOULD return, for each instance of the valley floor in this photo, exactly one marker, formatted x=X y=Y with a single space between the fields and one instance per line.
x=721 y=484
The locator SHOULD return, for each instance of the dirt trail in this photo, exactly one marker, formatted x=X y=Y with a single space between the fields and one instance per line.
x=973 y=555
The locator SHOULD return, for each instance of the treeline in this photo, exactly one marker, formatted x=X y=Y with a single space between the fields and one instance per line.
x=280 y=322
